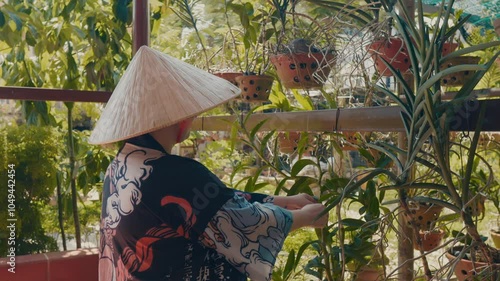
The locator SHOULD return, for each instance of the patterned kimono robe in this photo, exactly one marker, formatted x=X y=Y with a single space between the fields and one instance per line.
x=166 y=217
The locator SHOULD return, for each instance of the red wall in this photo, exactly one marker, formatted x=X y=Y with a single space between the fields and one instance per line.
x=78 y=265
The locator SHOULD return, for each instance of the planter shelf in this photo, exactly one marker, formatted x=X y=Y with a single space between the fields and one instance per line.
x=369 y=119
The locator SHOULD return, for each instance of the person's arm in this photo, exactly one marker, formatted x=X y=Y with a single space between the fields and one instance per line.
x=293 y=202
x=250 y=235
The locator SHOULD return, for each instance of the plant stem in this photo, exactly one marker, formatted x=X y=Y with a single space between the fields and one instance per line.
x=60 y=211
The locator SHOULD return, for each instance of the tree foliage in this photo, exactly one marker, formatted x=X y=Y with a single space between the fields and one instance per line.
x=34 y=153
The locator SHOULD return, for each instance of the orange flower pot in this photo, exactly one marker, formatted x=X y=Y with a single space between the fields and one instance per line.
x=303 y=70
x=468 y=270
x=495 y=236
x=458 y=78
x=229 y=76
x=425 y=216
x=255 y=87
x=369 y=274
x=430 y=240
x=393 y=51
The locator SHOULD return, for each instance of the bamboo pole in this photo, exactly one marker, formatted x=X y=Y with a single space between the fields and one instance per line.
x=365 y=119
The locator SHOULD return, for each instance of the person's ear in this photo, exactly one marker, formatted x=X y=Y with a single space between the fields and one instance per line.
x=182 y=127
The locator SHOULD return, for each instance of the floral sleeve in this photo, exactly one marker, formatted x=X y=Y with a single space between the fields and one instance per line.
x=255 y=197
x=248 y=235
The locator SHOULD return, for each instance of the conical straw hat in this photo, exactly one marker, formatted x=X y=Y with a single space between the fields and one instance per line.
x=157 y=91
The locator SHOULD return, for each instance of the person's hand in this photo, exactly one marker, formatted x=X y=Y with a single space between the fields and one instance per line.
x=313 y=211
x=308 y=216
x=294 y=202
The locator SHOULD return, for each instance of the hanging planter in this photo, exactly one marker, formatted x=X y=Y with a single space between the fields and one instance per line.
x=495 y=236
x=430 y=239
x=458 y=78
x=289 y=142
x=255 y=87
x=369 y=274
x=476 y=208
x=424 y=215
x=350 y=142
x=229 y=76
x=303 y=70
x=448 y=48
x=393 y=51
x=496 y=24
x=465 y=269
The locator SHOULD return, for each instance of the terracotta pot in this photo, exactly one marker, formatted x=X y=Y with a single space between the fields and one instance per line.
x=288 y=142
x=448 y=48
x=430 y=240
x=478 y=206
x=255 y=87
x=393 y=51
x=425 y=216
x=495 y=236
x=458 y=78
x=467 y=270
x=303 y=70
x=229 y=76
x=350 y=142
x=496 y=24
x=369 y=274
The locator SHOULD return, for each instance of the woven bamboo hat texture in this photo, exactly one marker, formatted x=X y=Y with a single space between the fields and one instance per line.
x=157 y=91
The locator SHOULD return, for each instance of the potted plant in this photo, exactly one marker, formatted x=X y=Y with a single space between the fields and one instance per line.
x=429 y=240
x=300 y=63
x=423 y=216
x=471 y=264
x=254 y=84
x=392 y=50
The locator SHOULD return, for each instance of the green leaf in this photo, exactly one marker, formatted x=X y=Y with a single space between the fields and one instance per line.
x=17 y=20
x=82 y=181
x=256 y=129
x=299 y=165
x=301 y=185
x=290 y=264
x=2 y=19
x=305 y=102
x=30 y=39
x=356 y=223
x=120 y=10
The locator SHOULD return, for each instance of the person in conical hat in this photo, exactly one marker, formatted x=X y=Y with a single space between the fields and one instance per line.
x=166 y=217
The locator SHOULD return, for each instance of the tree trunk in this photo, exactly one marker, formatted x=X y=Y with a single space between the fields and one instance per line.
x=71 y=152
